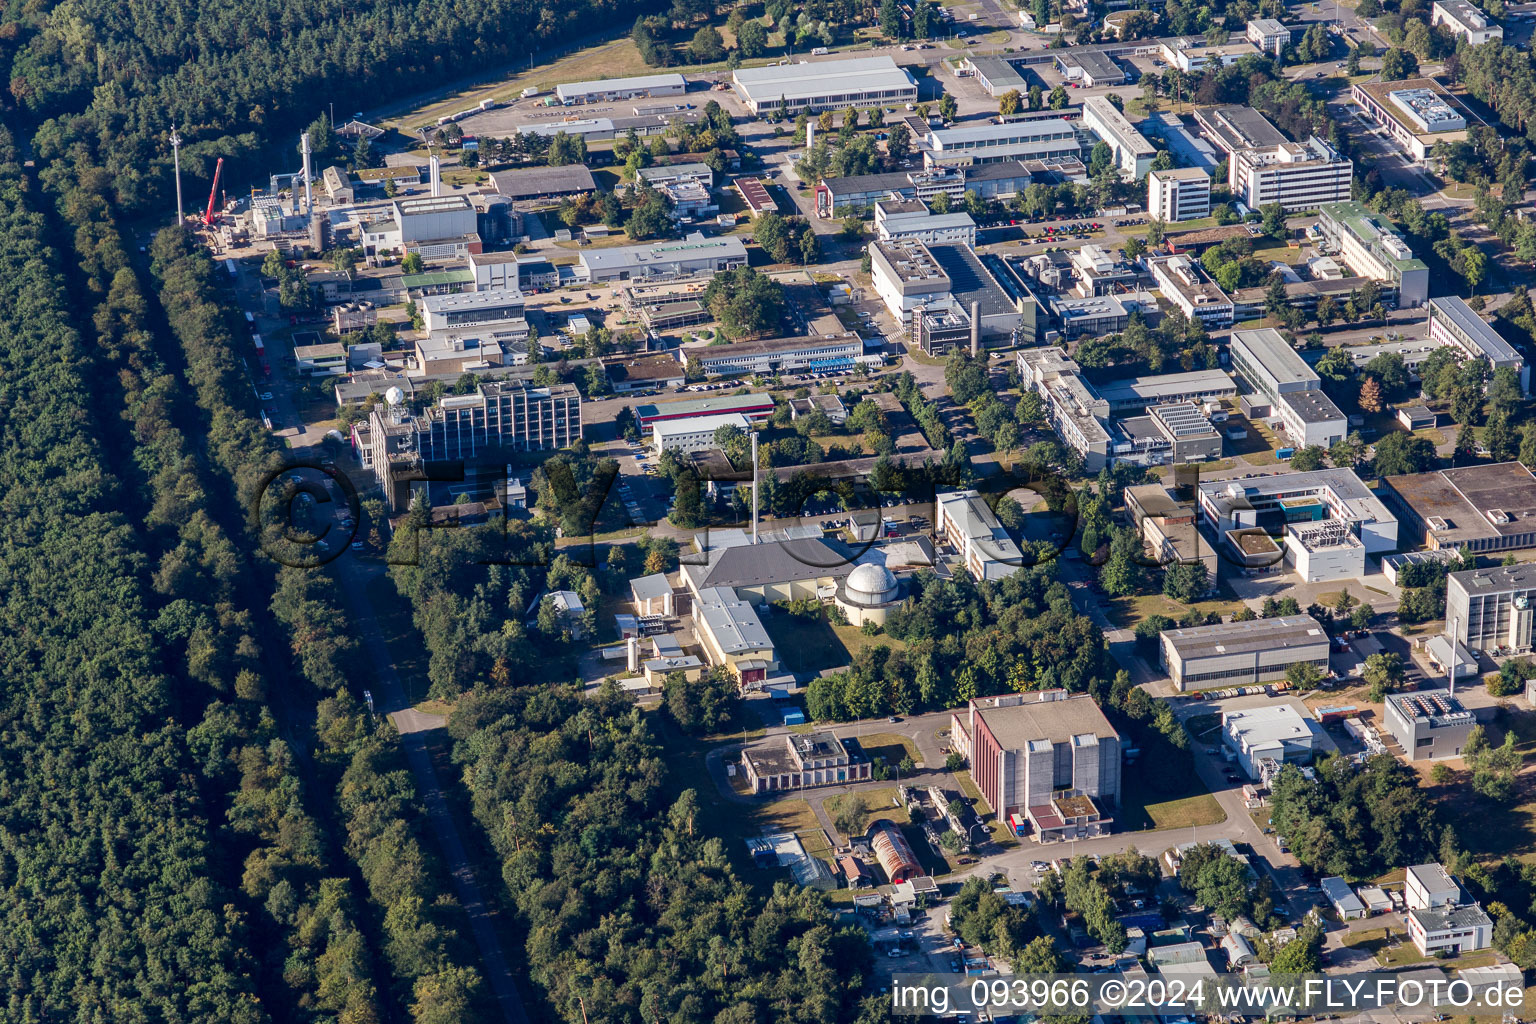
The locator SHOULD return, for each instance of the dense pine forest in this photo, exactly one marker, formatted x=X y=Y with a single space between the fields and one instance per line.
x=198 y=821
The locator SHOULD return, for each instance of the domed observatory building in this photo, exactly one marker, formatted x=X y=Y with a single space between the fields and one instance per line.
x=868 y=594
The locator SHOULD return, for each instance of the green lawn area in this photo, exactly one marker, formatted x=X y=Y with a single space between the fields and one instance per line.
x=855 y=640
x=888 y=745
x=1125 y=612
x=1172 y=796
x=805 y=644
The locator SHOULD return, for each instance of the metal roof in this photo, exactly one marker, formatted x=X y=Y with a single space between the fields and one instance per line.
x=1475 y=328
x=1228 y=638
x=823 y=78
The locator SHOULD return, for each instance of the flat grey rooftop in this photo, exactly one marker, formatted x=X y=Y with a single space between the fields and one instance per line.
x=1245 y=637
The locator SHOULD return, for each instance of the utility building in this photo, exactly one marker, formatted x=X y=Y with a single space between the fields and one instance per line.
x=1430 y=724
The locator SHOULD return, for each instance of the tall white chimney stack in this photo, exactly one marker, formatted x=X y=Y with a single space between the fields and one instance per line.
x=754 y=486
x=436 y=175
x=309 y=198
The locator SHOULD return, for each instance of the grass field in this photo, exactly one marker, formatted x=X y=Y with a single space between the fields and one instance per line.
x=1184 y=804
x=889 y=746
x=1125 y=612
x=805 y=644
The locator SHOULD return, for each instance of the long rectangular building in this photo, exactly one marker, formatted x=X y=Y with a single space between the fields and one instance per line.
x=610 y=89
x=986 y=550
x=1133 y=153
x=1453 y=322
x=1079 y=416
x=693 y=255
x=1485 y=508
x=1373 y=249
x=782 y=355
x=1234 y=128
x=1240 y=653
x=824 y=85
x=1131 y=395
x=1048 y=138
x=1298 y=176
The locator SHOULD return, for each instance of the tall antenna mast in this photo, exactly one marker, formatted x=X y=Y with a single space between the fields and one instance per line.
x=176 y=156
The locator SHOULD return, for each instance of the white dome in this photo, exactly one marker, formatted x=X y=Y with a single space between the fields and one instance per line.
x=871 y=584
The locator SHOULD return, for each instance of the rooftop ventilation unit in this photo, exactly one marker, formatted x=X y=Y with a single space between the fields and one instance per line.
x=1437 y=524
x=1498 y=516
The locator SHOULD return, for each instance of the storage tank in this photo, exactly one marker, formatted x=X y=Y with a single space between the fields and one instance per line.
x=893 y=852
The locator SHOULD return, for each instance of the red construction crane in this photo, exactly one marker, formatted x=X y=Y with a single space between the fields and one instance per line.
x=211 y=216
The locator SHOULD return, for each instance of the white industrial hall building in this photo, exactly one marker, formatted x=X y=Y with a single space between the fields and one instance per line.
x=1241 y=653
x=610 y=89
x=824 y=85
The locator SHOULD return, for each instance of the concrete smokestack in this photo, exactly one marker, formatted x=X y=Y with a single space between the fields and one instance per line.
x=810 y=136
x=309 y=199
x=435 y=175
x=975 y=329
x=754 y=486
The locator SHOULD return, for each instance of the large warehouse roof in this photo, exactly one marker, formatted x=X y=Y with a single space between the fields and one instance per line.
x=822 y=78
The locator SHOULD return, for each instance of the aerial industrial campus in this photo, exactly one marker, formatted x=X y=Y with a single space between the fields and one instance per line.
x=735 y=515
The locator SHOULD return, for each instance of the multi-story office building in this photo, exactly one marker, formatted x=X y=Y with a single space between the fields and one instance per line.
x=1036 y=139
x=695 y=433
x=969 y=525
x=1240 y=653
x=501 y=415
x=1233 y=128
x=824 y=85
x=1133 y=153
x=835 y=197
x=1180 y=193
x=1186 y=284
x=1453 y=322
x=1486 y=609
x=1298 y=176
x=1270 y=365
x=1045 y=756
x=1271 y=502
x=1462 y=19
x=902 y=219
x=1324 y=551
x=1077 y=413
x=1268 y=35
x=1373 y=249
